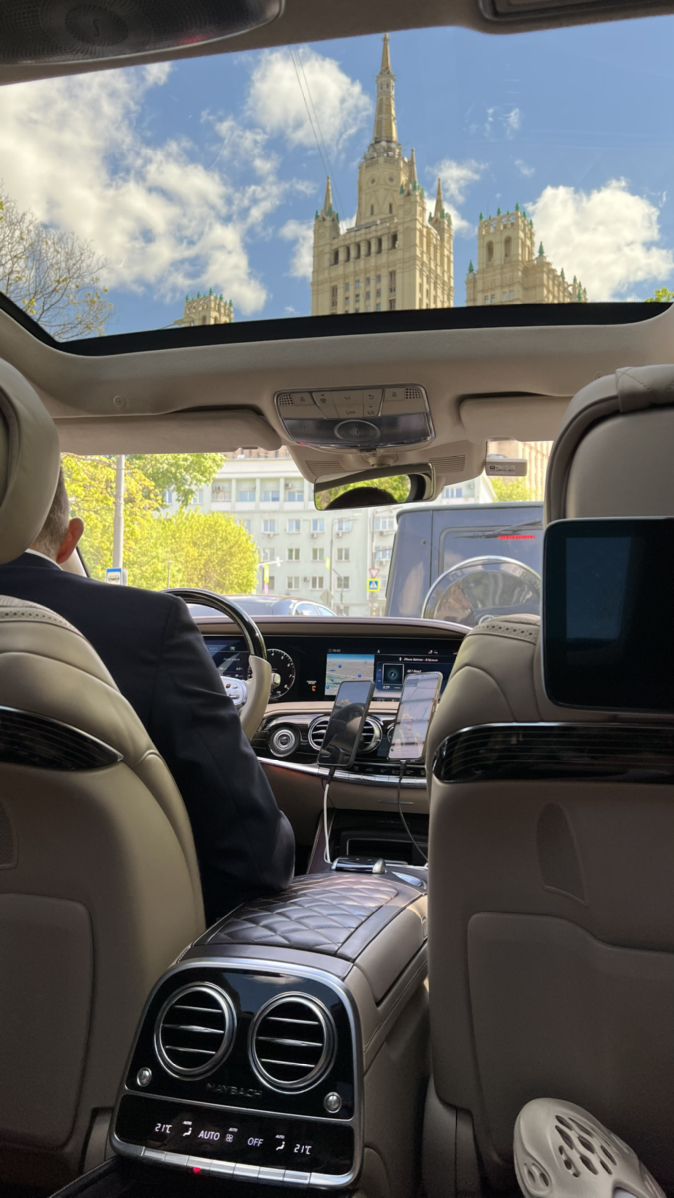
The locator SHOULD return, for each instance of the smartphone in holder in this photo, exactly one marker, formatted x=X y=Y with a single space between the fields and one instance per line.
x=340 y=743
x=415 y=712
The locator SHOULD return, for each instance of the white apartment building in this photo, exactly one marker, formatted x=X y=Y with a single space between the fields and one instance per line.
x=324 y=556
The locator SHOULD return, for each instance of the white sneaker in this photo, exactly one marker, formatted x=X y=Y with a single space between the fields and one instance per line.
x=563 y=1152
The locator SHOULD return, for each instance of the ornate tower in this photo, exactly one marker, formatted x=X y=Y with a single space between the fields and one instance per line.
x=397 y=255
x=511 y=271
x=207 y=309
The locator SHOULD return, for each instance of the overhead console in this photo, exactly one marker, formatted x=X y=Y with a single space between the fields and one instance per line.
x=287 y=1039
x=357 y=417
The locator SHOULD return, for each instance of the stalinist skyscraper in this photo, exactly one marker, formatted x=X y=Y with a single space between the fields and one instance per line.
x=398 y=254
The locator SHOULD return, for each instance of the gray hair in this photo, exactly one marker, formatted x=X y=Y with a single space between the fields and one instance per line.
x=55 y=527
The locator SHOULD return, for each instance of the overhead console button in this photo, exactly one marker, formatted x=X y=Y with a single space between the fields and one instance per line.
x=325 y=402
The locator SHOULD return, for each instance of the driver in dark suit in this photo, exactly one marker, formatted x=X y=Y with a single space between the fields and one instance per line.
x=157 y=657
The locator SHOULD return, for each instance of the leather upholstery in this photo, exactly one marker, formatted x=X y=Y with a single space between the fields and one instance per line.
x=29 y=463
x=99 y=894
x=521 y=978
x=317 y=914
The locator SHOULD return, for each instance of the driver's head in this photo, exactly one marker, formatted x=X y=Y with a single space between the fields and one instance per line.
x=60 y=533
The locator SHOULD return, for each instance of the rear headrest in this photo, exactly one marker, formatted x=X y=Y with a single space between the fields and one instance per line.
x=29 y=463
x=613 y=456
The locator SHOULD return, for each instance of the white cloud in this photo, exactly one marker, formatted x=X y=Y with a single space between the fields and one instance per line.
x=457 y=176
x=512 y=121
x=610 y=238
x=77 y=153
x=301 y=232
x=328 y=103
x=524 y=168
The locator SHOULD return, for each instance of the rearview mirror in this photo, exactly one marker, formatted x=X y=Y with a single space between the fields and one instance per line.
x=358 y=491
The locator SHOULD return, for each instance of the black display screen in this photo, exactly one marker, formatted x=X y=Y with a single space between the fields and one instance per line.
x=608 y=598
x=322 y=663
x=237 y=1136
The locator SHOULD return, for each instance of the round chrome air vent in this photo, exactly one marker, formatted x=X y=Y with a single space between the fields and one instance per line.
x=292 y=1042
x=369 y=737
x=194 y=1030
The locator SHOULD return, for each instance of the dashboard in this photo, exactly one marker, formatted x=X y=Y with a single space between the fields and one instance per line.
x=311 y=668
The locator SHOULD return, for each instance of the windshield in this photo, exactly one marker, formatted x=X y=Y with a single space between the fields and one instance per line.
x=245 y=526
x=435 y=169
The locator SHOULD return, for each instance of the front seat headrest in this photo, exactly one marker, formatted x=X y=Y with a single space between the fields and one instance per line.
x=29 y=463
x=613 y=455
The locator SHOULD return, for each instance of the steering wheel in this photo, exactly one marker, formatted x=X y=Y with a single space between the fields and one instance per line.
x=479 y=587
x=251 y=697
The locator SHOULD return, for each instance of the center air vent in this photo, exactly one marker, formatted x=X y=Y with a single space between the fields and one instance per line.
x=292 y=1042
x=369 y=737
x=194 y=1030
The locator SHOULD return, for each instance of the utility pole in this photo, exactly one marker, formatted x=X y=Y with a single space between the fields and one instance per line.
x=118 y=533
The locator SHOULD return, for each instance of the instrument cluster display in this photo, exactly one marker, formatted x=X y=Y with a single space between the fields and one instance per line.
x=312 y=668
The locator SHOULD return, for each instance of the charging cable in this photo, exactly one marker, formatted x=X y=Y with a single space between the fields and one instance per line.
x=420 y=851
x=326 y=826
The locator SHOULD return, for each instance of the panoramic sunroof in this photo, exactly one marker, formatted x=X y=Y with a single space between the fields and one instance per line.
x=436 y=169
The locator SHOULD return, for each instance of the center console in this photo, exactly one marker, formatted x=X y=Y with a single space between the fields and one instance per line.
x=288 y=1046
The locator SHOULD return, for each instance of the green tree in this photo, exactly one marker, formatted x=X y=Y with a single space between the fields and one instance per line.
x=512 y=490
x=182 y=473
x=91 y=488
x=52 y=275
x=662 y=296
x=199 y=550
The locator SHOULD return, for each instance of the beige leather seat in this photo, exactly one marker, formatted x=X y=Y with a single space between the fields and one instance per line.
x=99 y=884
x=551 y=912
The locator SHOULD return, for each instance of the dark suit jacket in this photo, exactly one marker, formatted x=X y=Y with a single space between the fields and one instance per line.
x=155 y=653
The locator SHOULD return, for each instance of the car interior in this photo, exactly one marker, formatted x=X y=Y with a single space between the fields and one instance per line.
x=484 y=924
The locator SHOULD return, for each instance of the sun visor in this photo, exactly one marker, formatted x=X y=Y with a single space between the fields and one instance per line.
x=520 y=417
x=212 y=431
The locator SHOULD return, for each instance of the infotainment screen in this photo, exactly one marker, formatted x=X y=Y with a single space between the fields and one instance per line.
x=386 y=670
x=608 y=631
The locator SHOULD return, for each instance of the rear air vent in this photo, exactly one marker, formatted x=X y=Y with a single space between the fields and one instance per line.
x=194 y=1030
x=548 y=10
x=292 y=1042
x=369 y=738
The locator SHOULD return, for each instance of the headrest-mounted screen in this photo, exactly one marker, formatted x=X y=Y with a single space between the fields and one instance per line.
x=608 y=614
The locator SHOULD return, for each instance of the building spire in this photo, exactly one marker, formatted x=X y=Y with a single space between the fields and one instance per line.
x=412 y=173
x=385 y=124
x=439 y=202
x=328 y=203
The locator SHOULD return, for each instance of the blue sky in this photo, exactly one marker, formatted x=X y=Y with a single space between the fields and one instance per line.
x=207 y=173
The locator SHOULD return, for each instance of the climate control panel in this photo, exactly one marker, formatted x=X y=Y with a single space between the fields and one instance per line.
x=253 y=1075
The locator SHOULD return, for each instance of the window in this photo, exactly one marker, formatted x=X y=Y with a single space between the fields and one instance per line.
x=318 y=555
x=490 y=251
x=343 y=554
x=269 y=527
x=357 y=284
x=379 y=245
x=367 y=281
x=317 y=582
x=343 y=526
x=343 y=582
x=392 y=305
x=371 y=209
x=294 y=526
x=391 y=280
x=507 y=247
x=295 y=490
x=356 y=250
x=334 y=295
x=318 y=524
x=367 y=297
x=221 y=492
x=347 y=286
x=367 y=245
x=390 y=209
x=271 y=582
x=293 y=583
x=394 y=241
x=384 y=523
x=383 y=553
x=455 y=491
x=245 y=490
x=267 y=554
x=270 y=490
x=378 y=280
x=335 y=257
x=294 y=553
x=347 y=253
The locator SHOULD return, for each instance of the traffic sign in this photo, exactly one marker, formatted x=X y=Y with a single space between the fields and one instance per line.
x=116 y=575
x=373 y=586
